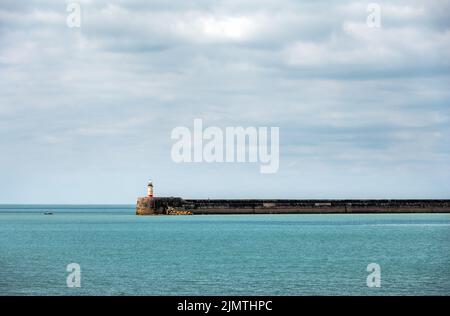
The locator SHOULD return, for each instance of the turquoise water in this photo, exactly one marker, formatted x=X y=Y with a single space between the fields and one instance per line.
x=123 y=254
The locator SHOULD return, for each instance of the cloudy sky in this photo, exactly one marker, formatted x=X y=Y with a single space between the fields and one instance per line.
x=86 y=113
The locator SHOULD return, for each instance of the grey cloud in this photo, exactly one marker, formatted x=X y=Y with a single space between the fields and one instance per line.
x=98 y=103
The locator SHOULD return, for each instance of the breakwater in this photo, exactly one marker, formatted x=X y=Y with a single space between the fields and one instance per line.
x=179 y=206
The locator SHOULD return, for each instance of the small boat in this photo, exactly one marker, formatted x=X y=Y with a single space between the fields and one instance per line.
x=48 y=213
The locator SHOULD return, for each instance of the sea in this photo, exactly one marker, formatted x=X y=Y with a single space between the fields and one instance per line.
x=118 y=253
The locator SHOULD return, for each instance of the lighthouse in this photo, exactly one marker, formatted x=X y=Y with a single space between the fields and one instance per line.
x=150 y=189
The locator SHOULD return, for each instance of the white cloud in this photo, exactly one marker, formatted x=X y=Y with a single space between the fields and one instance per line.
x=199 y=28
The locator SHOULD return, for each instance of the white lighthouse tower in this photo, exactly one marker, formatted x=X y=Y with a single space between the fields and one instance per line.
x=150 y=189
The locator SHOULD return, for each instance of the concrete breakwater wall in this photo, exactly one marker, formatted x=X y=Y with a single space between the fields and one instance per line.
x=179 y=206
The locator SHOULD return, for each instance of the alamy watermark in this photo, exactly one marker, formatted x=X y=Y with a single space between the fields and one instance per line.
x=374 y=18
x=74 y=16
x=74 y=277
x=232 y=144
x=374 y=278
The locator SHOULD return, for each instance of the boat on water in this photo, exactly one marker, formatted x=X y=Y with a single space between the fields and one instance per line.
x=48 y=213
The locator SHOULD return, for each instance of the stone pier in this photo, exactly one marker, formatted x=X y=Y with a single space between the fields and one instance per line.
x=179 y=206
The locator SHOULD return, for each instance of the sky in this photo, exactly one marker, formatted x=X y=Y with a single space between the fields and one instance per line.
x=86 y=113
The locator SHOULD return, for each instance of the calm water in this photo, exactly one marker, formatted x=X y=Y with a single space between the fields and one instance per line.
x=123 y=254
